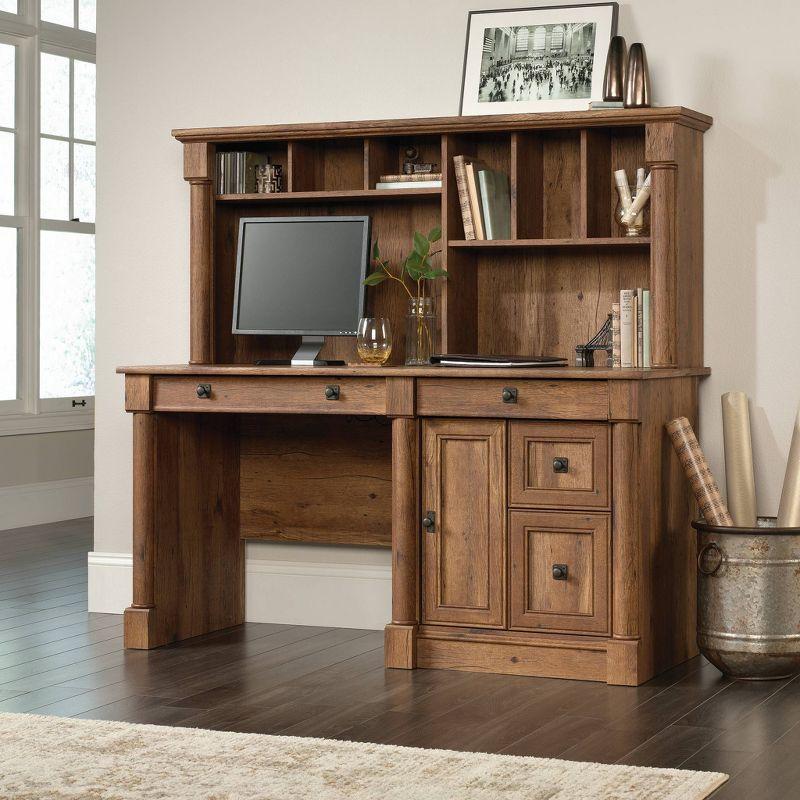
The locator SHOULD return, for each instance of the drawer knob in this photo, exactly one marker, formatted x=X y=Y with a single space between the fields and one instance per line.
x=332 y=392
x=560 y=464
x=429 y=521
x=559 y=572
x=509 y=394
x=204 y=390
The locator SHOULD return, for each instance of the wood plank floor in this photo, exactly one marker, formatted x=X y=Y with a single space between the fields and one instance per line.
x=55 y=658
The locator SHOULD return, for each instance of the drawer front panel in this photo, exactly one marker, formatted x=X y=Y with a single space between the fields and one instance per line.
x=284 y=395
x=559 y=465
x=489 y=397
x=559 y=576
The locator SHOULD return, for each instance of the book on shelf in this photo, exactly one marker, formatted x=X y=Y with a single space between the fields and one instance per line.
x=460 y=169
x=495 y=196
x=415 y=178
x=631 y=336
x=236 y=171
x=474 y=198
x=433 y=184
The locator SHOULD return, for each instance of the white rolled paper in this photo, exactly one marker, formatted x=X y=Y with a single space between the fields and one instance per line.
x=642 y=196
x=789 y=510
x=623 y=187
x=739 y=476
x=639 y=184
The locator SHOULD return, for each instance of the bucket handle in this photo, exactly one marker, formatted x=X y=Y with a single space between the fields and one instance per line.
x=707 y=548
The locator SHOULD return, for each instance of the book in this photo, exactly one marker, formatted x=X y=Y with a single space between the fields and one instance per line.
x=475 y=199
x=406 y=185
x=646 y=342
x=495 y=195
x=460 y=360
x=417 y=176
x=639 y=328
x=460 y=168
x=615 y=343
x=606 y=104
x=236 y=171
x=627 y=327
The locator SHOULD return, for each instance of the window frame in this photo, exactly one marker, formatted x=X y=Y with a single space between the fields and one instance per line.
x=29 y=413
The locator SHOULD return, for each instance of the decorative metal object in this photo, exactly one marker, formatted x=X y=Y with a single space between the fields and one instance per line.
x=584 y=353
x=637 y=78
x=269 y=179
x=748 y=599
x=616 y=65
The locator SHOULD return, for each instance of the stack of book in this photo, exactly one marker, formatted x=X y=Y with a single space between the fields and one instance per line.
x=236 y=171
x=630 y=329
x=419 y=180
x=484 y=195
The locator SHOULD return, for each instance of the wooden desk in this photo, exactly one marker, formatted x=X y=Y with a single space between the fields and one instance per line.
x=576 y=472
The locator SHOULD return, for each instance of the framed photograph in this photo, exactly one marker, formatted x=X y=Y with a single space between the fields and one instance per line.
x=524 y=60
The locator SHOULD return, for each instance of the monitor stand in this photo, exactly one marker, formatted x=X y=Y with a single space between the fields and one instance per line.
x=306 y=355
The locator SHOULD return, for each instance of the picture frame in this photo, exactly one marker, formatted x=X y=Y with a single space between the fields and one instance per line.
x=540 y=59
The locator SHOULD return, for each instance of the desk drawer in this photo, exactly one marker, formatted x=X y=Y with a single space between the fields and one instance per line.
x=282 y=395
x=489 y=397
x=559 y=465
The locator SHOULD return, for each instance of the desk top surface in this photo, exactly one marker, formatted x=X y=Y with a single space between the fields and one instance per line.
x=361 y=371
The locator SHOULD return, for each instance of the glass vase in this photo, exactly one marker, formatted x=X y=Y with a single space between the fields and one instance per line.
x=421 y=331
x=374 y=340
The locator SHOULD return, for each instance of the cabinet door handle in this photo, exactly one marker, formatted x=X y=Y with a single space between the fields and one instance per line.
x=332 y=392
x=560 y=464
x=509 y=394
x=203 y=390
x=429 y=521
x=559 y=572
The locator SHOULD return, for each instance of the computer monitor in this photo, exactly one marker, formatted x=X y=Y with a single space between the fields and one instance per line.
x=301 y=275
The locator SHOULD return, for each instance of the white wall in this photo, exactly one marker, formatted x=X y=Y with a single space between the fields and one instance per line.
x=202 y=63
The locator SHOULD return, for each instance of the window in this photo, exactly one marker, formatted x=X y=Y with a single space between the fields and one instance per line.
x=47 y=212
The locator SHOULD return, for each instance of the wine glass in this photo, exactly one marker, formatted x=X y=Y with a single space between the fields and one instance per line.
x=374 y=341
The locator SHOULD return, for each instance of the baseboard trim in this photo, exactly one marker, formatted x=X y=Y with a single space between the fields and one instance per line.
x=41 y=503
x=283 y=592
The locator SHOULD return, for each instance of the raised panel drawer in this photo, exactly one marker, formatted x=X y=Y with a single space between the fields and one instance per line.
x=283 y=395
x=559 y=571
x=559 y=465
x=489 y=397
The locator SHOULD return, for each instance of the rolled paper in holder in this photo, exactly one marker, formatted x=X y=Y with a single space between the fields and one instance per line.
x=739 y=477
x=789 y=510
x=623 y=188
x=642 y=196
x=705 y=489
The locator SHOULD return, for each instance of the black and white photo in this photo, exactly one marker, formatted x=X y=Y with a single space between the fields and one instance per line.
x=542 y=59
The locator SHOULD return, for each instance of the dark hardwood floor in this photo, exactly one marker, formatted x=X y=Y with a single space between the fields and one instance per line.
x=55 y=658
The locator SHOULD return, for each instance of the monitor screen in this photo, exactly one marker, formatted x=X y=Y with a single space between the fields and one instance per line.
x=300 y=275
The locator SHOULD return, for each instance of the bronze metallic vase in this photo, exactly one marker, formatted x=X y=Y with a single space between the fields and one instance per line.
x=616 y=62
x=637 y=78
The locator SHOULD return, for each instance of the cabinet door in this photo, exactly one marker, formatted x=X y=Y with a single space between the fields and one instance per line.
x=464 y=550
x=559 y=571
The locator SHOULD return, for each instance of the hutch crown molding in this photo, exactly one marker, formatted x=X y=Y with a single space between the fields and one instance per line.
x=541 y=531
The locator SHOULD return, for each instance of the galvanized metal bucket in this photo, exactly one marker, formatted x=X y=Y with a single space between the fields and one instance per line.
x=748 y=599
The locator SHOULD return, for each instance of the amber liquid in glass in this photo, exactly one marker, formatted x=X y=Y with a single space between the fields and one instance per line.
x=374 y=355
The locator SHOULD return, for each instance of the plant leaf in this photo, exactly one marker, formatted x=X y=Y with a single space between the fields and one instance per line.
x=374 y=278
x=435 y=234
x=432 y=274
x=421 y=244
x=376 y=253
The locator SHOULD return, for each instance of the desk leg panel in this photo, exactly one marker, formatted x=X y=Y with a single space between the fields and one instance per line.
x=188 y=560
x=400 y=636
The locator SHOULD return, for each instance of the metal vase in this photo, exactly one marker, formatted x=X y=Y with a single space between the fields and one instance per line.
x=637 y=78
x=616 y=63
x=748 y=599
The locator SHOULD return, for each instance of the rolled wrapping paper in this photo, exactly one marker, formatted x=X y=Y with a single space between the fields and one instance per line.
x=642 y=196
x=789 y=510
x=623 y=188
x=739 y=477
x=690 y=454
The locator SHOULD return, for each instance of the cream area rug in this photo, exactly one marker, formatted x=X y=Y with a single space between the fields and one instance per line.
x=49 y=758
